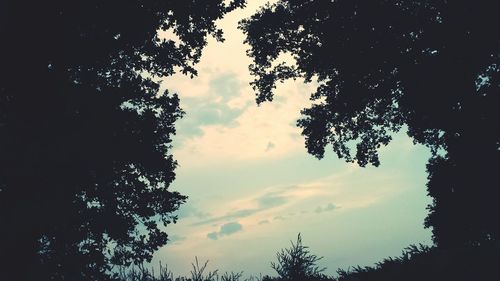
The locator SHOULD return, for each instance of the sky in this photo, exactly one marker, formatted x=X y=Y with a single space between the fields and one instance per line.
x=252 y=186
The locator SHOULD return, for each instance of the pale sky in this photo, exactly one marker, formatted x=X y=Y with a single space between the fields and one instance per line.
x=252 y=186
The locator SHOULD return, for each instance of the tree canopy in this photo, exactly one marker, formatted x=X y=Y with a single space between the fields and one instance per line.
x=429 y=66
x=85 y=133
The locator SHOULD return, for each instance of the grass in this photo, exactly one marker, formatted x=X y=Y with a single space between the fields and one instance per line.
x=416 y=263
x=198 y=272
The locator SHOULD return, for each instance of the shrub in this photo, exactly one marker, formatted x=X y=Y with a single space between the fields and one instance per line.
x=297 y=264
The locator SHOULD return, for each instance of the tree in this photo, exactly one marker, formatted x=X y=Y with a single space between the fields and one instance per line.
x=297 y=264
x=418 y=263
x=85 y=134
x=429 y=66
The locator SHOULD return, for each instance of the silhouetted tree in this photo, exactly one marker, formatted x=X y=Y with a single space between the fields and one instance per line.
x=430 y=66
x=297 y=264
x=432 y=264
x=85 y=133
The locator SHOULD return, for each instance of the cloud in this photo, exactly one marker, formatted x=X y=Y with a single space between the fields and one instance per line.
x=327 y=208
x=215 y=129
x=225 y=86
x=232 y=215
x=213 y=235
x=175 y=239
x=263 y=222
x=225 y=229
x=271 y=200
x=330 y=207
x=283 y=202
x=270 y=146
x=230 y=228
x=221 y=116
x=264 y=202
x=211 y=108
x=188 y=210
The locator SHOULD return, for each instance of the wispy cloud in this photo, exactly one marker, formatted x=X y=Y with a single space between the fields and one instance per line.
x=225 y=229
x=175 y=239
x=188 y=210
x=229 y=216
x=211 y=108
x=327 y=208
x=264 y=202
x=278 y=203
x=216 y=128
x=273 y=199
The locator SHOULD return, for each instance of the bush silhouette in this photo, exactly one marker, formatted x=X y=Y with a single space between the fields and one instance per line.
x=297 y=263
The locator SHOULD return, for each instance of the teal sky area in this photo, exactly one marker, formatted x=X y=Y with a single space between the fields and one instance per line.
x=252 y=186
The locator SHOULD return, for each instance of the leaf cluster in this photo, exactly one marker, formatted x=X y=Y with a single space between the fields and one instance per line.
x=432 y=67
x=85 y=132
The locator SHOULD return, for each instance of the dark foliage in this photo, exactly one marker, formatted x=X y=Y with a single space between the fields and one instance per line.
x=432 y=66
x=199 y=272
x=297 y=264
x=84 y=132
x=416 y=263
x=432 y=264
